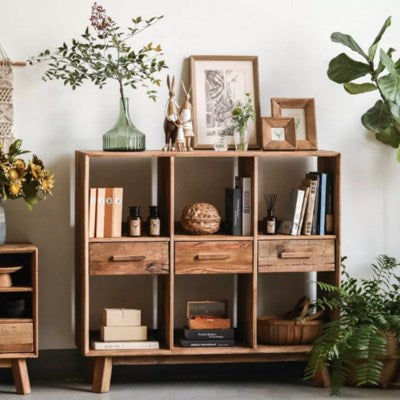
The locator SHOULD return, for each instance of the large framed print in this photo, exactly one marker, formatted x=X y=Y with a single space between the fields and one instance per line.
x=219 y=83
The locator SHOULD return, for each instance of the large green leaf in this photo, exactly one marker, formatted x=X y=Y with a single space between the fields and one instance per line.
x=374 y=45
x=381 y=67
x=378 y=118
x=357 y=88
x=390 y=137
x=348 y=41
x=390 y=87
x=395 y=111
x=387 y=62
x=343 y=69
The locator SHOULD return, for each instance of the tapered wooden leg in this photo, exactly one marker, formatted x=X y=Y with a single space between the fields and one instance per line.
x=102 y=374
x=322 y=378
x=21 y=377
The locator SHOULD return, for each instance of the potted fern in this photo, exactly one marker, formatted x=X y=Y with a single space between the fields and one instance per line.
x=361 y=346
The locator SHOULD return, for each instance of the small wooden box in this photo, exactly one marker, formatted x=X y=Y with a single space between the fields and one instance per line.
x=207 y=315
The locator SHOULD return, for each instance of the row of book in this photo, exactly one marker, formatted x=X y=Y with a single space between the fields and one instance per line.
x=105 y=212
x=310 y=207
x=238 y=207
x=208 y=338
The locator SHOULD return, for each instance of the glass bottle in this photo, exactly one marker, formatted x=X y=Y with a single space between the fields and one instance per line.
x=154 y=221
x=270 y=222
x=134 y=221
x=124 y=136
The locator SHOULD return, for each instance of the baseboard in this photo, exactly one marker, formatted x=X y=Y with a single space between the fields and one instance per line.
x=71 y=365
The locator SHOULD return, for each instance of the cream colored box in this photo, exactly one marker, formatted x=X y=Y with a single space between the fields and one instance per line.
x=121 y=317
x=123 y=333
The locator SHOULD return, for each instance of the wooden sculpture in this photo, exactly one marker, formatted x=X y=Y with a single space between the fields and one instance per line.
x=186 y=117
x=172 y=115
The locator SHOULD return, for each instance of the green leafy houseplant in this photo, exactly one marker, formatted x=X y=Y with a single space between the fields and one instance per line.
x=384 y=117
x=241 y=114
x=355 y=345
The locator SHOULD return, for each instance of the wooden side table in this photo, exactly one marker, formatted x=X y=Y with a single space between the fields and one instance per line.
x=19 y=333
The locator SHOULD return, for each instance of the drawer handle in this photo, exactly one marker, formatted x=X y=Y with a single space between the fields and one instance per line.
x=296 y=255
x=128 y=258
x=222 y=256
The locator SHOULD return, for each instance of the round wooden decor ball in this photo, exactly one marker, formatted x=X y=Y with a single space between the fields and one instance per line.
x=200 y=219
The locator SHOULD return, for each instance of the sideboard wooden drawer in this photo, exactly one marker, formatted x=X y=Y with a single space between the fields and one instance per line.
x=219 y=257
x=293 y=255
x=132 y=258
x=16 y=337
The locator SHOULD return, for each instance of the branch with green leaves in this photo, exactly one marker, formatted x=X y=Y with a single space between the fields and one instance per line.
x=384 y=117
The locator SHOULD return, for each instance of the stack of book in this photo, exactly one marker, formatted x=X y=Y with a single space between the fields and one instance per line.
x=105 y=212
x=208 y=338
x=310 y=207
x=238 y=208
x=122 y=330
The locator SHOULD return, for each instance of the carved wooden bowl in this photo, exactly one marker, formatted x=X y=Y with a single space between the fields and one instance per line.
x=200 y=219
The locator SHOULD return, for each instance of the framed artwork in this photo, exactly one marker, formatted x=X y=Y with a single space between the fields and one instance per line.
x=303 y=112
x=218 y=83
x=278 y=133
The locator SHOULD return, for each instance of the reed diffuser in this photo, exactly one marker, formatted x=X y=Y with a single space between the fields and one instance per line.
x=269 y=222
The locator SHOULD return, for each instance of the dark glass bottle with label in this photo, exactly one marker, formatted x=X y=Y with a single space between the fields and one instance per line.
x=134 y=221
x=270 y=223
x=154 y=221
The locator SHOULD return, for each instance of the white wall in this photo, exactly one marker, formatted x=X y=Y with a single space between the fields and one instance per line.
x=291 y=38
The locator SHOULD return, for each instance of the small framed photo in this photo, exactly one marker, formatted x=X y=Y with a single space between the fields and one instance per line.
x=303 y=112
x=218 y=83
x=278 y=133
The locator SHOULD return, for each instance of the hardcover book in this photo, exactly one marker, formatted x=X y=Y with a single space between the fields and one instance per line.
x=101 y=192
x=92 y=212
x=233 y=211
x=309 y=215
x=244 y=183
x=297 y=211
x=108 y=211
x=329 y=205
x=291 y=219
x=133 y=345
x=322 y=206
x=209 y=334
x=207 y=343
x=315 y=223
x=306 y=190
x=116 y=225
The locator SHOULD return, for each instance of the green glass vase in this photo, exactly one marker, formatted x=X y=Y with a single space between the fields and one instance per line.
x=124 y=136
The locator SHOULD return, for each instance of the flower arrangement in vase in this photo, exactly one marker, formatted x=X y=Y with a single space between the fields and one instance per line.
x=241 y=114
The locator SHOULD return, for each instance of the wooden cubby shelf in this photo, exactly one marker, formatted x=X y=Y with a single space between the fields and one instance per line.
x=252 y=259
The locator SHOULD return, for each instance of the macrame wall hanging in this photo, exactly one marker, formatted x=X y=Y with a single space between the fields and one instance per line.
x=6 y=98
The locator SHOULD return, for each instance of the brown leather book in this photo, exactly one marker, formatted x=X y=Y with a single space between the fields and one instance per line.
x=116 y=227
x=92 y=212
x=108 y=212
x=100 y=212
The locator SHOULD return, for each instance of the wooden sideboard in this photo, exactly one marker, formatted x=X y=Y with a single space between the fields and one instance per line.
x=171 y=255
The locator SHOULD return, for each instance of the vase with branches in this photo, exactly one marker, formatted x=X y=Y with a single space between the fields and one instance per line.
x=241 y=114
x=103 y=54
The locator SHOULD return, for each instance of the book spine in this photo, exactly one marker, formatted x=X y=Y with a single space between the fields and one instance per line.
x=207 y=343
x=329 y=205
x=209 y=334
x=303 y=208
x=316 y=205
x=322 y=206
x=125 y=345
x=287 y=221
x=233 y=199
x=100 y=212
x=307 y=230
x=92 y=212
x=297 y=212
x=116 y=224
x=108 y=212
x=245 y=184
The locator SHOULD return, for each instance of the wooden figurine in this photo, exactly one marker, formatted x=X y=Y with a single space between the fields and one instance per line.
x=180 y=136
x=172 y=115
x=186 y=116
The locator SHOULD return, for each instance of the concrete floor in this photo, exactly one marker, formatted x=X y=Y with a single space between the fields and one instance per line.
x=192 y=391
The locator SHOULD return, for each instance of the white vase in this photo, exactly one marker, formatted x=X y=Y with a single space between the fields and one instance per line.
x=2 y=225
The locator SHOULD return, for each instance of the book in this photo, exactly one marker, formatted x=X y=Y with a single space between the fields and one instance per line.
x=306 y=190
x=133 y=345
x=233 y=211
x=92 y=212
x=309 y=215
x=101 y=192
x=116 y=225
x=329 y=204
x=209 y=334
x=123 y=333
x=244 y=183
x=207 y=343
x=315 y=222
x=121 y=317
x=322 y=204
x=108 y=208
x=291 y=219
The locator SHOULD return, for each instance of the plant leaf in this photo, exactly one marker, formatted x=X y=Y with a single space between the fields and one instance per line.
x=398 y=154
x=390 y=87
x=348 y=41
x=343 y=69
x=357 y=88
x=374 y=45
x=387 y=61
x=381 y=67
x=390 y=137
x=377 y=118
x=395 y=111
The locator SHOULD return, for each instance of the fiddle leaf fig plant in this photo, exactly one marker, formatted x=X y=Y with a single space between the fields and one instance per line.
x=383 y=118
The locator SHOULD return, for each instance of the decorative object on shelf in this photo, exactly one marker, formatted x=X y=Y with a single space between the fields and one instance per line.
x=269 y=222
x=5 y=276
x=101 y=55
x=171 y=116
x=221 y=144
x=186 y=118
x=298 y=326
x=303 y=112
x=278 y=133
x=241 y=115
x=383 y=118
x=368 y=311
x=200 y=219
x=207 y=315
x=13 y=307
x=134 y=221
x=154 y=221
x=6 y=98
x=30 y=181
x=218 y=83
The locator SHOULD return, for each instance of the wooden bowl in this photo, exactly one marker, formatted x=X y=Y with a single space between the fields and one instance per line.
x=5 y=277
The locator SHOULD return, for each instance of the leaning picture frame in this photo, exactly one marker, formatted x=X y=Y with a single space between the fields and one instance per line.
x=303 y=112
x=218 y=83
x=278 y=133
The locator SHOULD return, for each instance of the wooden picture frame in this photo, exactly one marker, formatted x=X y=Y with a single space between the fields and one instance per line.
x=211 y=77
x=303 y=111
x=278 y=133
